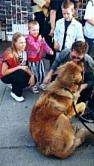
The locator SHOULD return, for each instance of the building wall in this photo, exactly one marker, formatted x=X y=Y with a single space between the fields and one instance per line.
x=14 y=16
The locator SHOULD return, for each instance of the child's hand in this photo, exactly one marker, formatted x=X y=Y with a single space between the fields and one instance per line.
x=40 y=38
x=51 y=52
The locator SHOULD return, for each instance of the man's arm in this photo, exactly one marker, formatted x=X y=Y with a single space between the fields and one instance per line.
x=63 y=57
x=88 y=13
x=53 y=11
x=90 y=61
x=52 y=21
x=91 y=21
x=80 y=36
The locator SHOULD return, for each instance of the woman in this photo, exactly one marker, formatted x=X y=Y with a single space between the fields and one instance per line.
x=89 y=26
x=14 y=70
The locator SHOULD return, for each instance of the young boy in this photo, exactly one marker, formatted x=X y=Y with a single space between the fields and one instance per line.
x=68 y=29
x=36 y=49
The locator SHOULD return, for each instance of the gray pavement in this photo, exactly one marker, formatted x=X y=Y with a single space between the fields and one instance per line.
x=16 y=145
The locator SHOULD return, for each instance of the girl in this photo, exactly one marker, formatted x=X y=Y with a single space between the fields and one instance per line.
x=14 y=70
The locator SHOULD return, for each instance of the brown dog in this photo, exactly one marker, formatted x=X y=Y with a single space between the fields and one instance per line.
x=50 y=124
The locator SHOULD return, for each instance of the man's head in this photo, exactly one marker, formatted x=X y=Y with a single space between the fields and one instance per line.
x=78 y=51
x=68 y=10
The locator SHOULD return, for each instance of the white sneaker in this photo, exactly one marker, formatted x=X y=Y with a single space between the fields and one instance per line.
x=17 y=98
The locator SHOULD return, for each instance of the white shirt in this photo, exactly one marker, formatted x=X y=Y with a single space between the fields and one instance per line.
x=89 y=14
x=74 y=33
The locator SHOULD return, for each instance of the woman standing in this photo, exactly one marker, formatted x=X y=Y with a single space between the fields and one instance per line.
x=89 y=27
x=14 y=69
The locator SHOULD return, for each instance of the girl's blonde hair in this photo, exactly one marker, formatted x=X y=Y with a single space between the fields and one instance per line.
x=15 y=37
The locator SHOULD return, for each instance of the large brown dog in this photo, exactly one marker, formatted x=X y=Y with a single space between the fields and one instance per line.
x=50 y=124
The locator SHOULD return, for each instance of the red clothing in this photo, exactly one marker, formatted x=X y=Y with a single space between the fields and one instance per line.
x=36 y=48
x=10 y=59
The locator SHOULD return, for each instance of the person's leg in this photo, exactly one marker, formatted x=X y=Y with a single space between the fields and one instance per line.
x=34 y=67
x=85 y=95
x=41 y=75
x=90 y=110
x=41 y=71
x=88 y=96
x=91 y=51
x=91 y=46
x=19 y=80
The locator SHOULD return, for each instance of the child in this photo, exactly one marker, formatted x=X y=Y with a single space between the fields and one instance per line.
x=68 y=29
x=36 y=49
x=14 y=70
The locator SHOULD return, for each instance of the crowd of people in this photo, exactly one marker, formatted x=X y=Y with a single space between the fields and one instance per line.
x=55 y=34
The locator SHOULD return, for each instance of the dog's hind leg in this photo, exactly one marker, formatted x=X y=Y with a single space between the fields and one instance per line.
x=80 y=137
x=64 y=128
x=62 y=123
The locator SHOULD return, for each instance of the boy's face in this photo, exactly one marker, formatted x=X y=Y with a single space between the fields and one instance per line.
x=68 y=13
x=34 y=30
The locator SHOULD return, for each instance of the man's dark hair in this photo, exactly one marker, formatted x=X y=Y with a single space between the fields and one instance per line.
x=80 y=46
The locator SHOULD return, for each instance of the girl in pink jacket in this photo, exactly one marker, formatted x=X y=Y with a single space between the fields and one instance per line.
x=36 y=48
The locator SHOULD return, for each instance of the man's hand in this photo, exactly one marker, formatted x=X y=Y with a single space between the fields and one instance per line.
x=48 y=77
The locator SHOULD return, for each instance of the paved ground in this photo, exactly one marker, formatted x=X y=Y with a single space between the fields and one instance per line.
x=16 y=145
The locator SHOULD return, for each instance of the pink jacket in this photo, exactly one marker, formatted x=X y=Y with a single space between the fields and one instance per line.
x=36 y=48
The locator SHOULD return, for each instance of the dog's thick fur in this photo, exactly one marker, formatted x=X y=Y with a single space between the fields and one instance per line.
x=50 y=124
